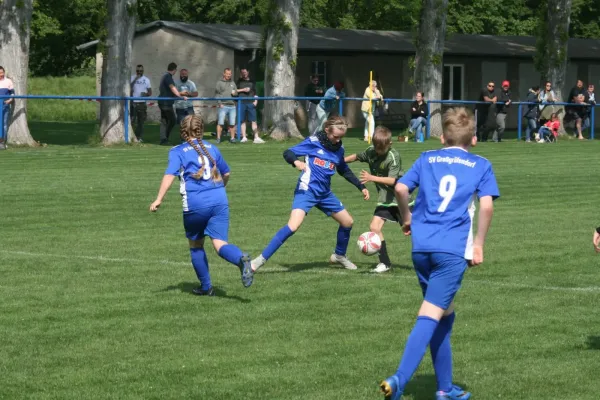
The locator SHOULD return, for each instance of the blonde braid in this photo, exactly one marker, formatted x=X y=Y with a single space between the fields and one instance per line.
x=192 y=127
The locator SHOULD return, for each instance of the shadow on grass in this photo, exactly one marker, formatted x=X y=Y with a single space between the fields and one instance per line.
x=593 y=343
x=187 y=287
x=424 y=387
x=364 y=268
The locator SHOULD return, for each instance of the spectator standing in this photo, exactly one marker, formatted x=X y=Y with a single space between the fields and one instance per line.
x=167 y=114
x=313 y=89
x=186 y=88
x=140 y=87
x=7 y=88
x=486 y=113
x=226 y=88
x=502 y=106
x=590 y=98
x=332 y=96
x=576 y=91
x=531 y=113
x=246 y=89
x=368 y=108
x=546 y=99
x=418 y=116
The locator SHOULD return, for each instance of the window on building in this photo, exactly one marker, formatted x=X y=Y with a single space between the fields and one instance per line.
x=320 y=68
x=453 y=84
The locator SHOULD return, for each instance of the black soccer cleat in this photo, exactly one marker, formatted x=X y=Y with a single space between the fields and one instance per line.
x=199 y=292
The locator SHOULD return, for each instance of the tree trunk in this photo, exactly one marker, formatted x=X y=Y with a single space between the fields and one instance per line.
x=280 y=68
x=15 y=27
x=551 y=58
x=116 y=70
x=429 y=57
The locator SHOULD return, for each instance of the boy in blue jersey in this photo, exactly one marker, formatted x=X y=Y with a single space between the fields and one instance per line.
x=443 y=244
x=203 y=175
x=323 y=155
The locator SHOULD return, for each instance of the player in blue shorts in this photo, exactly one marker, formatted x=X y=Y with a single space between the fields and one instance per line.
x=203 y=174
x=323 y=155
x=443 y=245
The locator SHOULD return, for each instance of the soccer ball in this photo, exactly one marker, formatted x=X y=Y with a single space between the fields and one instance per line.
x=369 y=243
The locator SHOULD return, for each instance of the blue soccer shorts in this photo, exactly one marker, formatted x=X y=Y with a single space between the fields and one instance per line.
x=306 y=200
x=211 y=221
x=440 y=276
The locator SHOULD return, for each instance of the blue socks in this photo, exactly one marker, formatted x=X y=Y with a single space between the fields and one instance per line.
x=200 y=263
x=441 y=353
x=278 y=240
x=231 y=253
x=343 y=237
x=415 y=349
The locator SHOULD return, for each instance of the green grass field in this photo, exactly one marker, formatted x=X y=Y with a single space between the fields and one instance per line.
x=96 y=301
x=61 y=110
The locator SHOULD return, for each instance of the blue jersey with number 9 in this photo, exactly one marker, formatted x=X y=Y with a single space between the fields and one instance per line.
x=184 y=162
x=449 y=180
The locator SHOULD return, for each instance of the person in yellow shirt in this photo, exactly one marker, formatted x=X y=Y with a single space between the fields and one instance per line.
x=369 y=110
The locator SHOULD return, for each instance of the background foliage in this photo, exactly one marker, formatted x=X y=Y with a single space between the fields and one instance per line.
x=60 y=25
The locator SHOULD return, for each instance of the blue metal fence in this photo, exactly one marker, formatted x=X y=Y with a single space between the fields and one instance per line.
x=126 y=101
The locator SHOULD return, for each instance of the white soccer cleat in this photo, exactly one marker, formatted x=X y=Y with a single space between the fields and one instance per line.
x=381 y=267
x=257 y=263
x=343 y=260
x=258 y=141
x=244 y=140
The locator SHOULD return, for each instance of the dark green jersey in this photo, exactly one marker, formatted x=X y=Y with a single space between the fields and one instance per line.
x=389 y=165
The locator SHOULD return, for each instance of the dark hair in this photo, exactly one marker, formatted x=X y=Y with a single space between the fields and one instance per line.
x=139 y=66
x=535 y=88
x=2 y=68
x=172 y=67
x=338 y=86
x=227 y=69
x=244 y=68
x=314 y=76
x=421 y=93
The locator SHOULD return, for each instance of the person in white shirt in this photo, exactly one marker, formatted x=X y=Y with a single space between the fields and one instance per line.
x=140 y=87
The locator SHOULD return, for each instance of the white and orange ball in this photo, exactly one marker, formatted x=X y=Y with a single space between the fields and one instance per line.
x=369 y=243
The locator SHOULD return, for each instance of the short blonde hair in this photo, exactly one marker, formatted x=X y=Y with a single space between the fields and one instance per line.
x=335 y=121
x=382 y=137
x=458 y=125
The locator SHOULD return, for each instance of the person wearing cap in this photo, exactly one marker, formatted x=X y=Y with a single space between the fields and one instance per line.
x=501 y=109
x=331 y=97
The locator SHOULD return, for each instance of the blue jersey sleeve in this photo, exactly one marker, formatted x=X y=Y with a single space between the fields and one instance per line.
x=174 y=165
x=412 y=178
x=222 y=165
x=303 y=148
x=488 y=186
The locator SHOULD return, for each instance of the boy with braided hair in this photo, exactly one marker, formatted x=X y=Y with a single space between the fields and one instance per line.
x=203 y=175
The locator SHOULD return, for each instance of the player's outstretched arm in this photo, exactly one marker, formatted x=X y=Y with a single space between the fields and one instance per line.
x=486 y=211
x=350 y=159
x=403 y=197
x=166 y=183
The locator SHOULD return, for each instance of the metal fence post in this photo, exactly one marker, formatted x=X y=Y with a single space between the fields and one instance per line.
x=341 y=107
x=428 y=130
x=2 y=133
x=239 y=115
x=593 y=122
x=126 y=120
x=520 y=121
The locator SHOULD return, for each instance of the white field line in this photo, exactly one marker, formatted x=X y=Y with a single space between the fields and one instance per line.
x=328 y=271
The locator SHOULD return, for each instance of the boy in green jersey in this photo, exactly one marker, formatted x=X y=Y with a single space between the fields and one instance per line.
x=385 y=168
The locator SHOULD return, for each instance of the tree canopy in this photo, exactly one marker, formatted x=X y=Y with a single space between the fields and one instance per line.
x=58 y=26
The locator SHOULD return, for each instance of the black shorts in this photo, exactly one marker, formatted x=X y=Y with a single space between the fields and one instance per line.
x=391 y=214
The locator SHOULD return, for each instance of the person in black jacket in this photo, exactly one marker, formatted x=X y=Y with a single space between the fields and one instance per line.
x=486 y=113
x=501 y=109
x=531 y=112
x=418 y=116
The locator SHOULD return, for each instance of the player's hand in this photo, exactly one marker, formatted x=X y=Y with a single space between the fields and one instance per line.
x=477 y=256
x=406 y=225
x=365 y=193
x=300 y=165
x=597 y=242
x=154 y=206
x=365 y=177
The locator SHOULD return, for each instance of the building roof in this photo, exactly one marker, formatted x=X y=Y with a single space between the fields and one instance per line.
x=249 y=37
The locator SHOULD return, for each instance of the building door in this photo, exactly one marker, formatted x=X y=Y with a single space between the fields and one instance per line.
x=453 y=83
